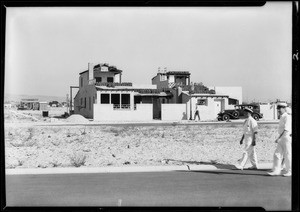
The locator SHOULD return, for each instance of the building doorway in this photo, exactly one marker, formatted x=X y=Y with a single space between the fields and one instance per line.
x=218 y=105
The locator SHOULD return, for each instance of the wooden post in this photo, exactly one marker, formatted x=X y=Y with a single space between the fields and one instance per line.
x=70 y=108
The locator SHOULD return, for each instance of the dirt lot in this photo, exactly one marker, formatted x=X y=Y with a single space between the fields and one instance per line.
x=30 y=146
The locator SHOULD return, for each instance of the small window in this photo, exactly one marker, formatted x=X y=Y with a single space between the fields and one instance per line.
x=85 y=102
x=201 y=102
x=110 y=79
x=81 y=81
x=90 y=103
x=104 y=98
x=98 y=79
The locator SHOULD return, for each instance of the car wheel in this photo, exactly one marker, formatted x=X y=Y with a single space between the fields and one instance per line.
x=235 y=114
x=225 y=117
x=255 y=116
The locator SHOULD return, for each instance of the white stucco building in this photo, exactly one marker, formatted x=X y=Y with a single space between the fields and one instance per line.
x=102 y=96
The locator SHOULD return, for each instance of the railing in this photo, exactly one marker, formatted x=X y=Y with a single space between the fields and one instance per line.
x=113 y=84
x=123 y=107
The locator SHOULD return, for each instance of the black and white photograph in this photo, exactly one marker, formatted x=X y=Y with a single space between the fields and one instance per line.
x=149 y=106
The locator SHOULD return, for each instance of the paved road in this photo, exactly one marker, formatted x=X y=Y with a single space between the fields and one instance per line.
x=214 y=188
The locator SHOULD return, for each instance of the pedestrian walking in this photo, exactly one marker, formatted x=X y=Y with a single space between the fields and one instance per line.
x=250 y=129
x=283 y=152
x=197 y=114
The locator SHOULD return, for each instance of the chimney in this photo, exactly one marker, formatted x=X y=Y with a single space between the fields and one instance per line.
x=91 y=71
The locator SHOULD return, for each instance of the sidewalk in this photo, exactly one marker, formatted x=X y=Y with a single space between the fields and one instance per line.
x=87 y=170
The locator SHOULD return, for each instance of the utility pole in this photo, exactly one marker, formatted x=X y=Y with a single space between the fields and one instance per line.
x=71 y=98
x=67 y=100
x=190 y=92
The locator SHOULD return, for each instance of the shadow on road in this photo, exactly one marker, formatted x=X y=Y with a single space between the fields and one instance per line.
x=212 y=162
x=260 y=172
x=222 y=168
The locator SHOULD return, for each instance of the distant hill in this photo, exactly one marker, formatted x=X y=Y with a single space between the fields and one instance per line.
x=41 y=98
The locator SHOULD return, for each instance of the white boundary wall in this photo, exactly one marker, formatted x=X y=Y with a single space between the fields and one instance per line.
x=207 y=112
x=105 y=112
x=173 y=112
x=269 y=111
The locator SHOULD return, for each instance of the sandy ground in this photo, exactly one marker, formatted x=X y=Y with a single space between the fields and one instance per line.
x=30 y=146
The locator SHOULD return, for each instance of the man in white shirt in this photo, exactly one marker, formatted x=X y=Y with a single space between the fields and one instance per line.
x=283 y=150
x=250 y=129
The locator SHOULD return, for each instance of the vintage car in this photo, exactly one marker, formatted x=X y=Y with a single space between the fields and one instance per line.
x=239 y=113
x=22 y=107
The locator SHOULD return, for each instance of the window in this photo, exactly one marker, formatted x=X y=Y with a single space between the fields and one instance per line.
x=110 y=79
x=202 y=102
x=104 y=98
x=81 y=81
x=85 y=102
x=115 y=98
x=90 y=103
x=98 y=79
x=233 y=101
x=125 y=98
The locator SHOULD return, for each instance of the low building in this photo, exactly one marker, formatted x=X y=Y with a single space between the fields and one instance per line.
x=269 y=110
x=235 y=94
x=102 y=96
x=210 y=100
x=29 y=104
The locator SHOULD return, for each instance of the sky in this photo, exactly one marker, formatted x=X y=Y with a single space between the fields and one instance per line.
x=47 y=47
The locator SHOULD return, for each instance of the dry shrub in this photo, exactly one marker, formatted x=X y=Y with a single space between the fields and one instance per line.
x=83 y=132
x=55 y=142
x=114 y=131
x=23 y=143
x=122 y=131
x=20 y=162
x=77 y=159
x=30 y=143
x=56 y=129
x=55 y=163
x=17 y=143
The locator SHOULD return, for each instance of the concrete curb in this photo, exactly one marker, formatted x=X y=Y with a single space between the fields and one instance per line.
x=124 y=169
x=149 y=123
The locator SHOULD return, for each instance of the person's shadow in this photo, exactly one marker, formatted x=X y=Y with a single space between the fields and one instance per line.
x=184 y=116
x=222 y=168
x=212 y=162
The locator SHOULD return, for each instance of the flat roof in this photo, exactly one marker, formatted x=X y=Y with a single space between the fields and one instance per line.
x=179 y=72
x=138 y=90
x=208 y=95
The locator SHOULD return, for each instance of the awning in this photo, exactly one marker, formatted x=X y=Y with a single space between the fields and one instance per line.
x=162 y=94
